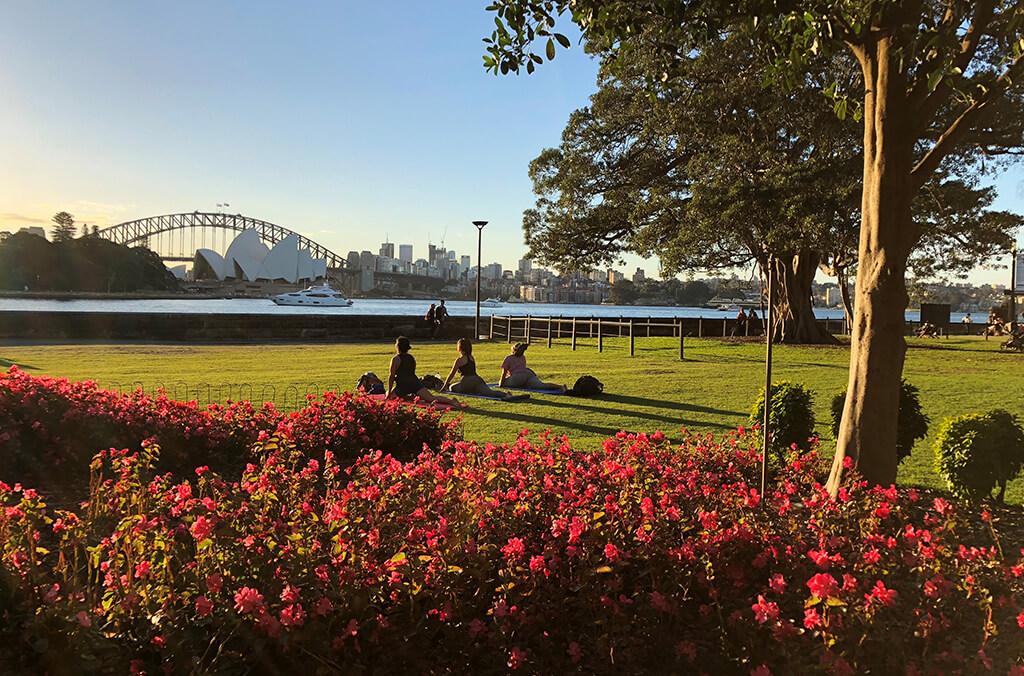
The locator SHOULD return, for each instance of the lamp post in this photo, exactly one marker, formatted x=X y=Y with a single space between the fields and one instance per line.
x=479 y=240
x=1013 y=292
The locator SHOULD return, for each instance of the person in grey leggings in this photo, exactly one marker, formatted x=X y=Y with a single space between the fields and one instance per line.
x=472 y=383
x=515 y=373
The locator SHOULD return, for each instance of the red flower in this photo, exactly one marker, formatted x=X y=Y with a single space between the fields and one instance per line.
x=611 y=552
x=204 y=606
x=880 y=593
x=514 y=550
x=765 y=611
x=248 y=600
x=811 y=618
x=1020 y=620
x=516 y=657
x=202 y=528
x=823 y=586
x=777 y=583
x=214 y=583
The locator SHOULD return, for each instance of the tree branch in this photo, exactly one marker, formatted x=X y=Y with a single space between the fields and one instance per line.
x=962 y=124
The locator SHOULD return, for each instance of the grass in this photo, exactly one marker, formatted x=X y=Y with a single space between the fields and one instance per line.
x=712 y=390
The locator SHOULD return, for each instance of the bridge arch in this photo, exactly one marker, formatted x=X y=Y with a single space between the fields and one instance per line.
x=140 y=230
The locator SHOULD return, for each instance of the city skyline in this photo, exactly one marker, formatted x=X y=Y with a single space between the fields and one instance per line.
x=279 y=113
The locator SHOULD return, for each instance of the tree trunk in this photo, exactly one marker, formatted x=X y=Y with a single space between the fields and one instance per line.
x=793 y=307
x=867 y=433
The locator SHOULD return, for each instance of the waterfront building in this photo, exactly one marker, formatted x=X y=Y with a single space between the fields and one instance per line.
x=387 y=250
x=248 y=259
x=405 y=253
x=639 y=276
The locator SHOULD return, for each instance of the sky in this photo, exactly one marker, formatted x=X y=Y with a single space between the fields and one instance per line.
x=349 y=122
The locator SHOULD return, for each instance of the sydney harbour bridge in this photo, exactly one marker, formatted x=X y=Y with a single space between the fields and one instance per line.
x=176 y=237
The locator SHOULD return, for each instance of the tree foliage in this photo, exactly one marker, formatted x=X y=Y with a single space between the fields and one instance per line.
x=63 y=228
x=83 y=264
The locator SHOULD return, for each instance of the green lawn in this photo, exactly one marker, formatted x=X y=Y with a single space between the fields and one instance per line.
x=713 y=389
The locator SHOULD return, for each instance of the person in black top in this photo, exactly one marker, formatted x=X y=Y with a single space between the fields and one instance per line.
x=402 y=380
x=430 y=319
x=441 y=315
x=471 y=382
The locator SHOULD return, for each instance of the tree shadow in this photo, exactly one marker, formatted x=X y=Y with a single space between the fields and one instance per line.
x=554 y=423
x=660 y=403
x=578 y=405
x=7 y=363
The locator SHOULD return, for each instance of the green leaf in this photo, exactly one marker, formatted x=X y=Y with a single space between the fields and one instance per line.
x=562 y=40
x=551 y=49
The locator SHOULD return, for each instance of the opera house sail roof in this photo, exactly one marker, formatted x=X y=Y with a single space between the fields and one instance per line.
x=248 y=258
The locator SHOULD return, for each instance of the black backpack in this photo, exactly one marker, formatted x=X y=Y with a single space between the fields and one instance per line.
x=586 y=386
x=432 y=382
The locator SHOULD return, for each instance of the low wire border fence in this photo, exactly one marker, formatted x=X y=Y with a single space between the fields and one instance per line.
x=290 y=397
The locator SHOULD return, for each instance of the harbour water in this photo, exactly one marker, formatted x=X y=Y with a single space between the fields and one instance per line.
x=390 y=306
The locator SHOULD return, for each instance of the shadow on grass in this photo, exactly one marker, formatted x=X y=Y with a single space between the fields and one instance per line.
x=673 y=420
x=7 y=363
x=661 y=403
x=544 y=422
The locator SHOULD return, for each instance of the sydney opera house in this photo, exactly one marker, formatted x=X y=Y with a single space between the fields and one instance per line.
x=249 y=259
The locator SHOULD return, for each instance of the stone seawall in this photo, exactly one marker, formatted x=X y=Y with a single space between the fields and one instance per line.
x=255 y=328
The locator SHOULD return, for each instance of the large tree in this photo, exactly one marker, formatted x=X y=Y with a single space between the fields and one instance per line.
x=702 y=176
x=939 y=80
x=63 y=227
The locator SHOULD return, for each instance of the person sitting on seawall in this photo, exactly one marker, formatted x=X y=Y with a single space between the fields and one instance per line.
x=514 y=372
x=471 y=383
x=402 y=380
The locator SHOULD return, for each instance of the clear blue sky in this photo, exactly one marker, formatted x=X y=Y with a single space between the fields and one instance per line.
x=343 y=120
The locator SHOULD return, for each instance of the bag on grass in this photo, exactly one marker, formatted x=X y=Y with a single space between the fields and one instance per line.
x=369 y=383
x=432 y=382
x=586 y=386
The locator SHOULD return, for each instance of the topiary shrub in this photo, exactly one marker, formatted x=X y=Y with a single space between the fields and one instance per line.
x=978 y=452
x=791 y=417
x=911 y=425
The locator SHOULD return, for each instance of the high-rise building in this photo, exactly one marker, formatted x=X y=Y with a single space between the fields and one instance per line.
x=615 y=276
x=639 y=276
x=466 y=263
x=387 y=249
x=405 y=253
x=367 y=261
x=525 y=265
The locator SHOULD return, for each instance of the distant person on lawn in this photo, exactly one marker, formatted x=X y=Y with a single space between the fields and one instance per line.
x=741 y=323
x=471 y=383
x=514 y=372
x=430 y=319
x=403 y=381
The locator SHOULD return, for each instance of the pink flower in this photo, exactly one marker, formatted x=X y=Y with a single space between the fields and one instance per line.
x=885 y=596
x=941 y=506
x=214 y=583
x=823 y=586
x=248 y=600
x=293 y=615
x=777 y=583
x=1020 y=620
x=514 y=550
x=204 y=606
x=537 y=564
x=611 y=552
x=83 y=619
x=516 y=657
x=202 y=528
x=811 y=618
x=765 y=611
x=142 y=570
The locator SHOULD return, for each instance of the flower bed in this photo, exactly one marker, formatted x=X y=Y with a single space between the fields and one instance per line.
x=51 y=427
x=535 y=556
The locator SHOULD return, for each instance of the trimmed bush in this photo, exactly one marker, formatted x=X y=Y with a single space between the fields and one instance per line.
x=51 y=427
x=912 y=423
x=980 y=452
x=791 y=418
x=640 y=557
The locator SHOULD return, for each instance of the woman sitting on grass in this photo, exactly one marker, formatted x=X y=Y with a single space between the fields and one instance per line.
x=472 y=383
x=402 y=380
x=514 y=373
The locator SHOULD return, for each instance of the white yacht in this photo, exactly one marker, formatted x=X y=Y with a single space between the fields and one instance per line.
x=322 y=295
x=490 y=302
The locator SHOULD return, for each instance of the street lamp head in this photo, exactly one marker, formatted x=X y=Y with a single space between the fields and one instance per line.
x=480 y=224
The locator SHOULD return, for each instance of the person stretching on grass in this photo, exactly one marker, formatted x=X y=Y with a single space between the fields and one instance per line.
x=514 y=373
x=472 y=383
x=402 y=380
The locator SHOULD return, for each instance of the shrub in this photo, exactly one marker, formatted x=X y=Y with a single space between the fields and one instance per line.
x=977 y=453
x=791 y=418
x=911 y=425
x=52 y=423
x=537 y=557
